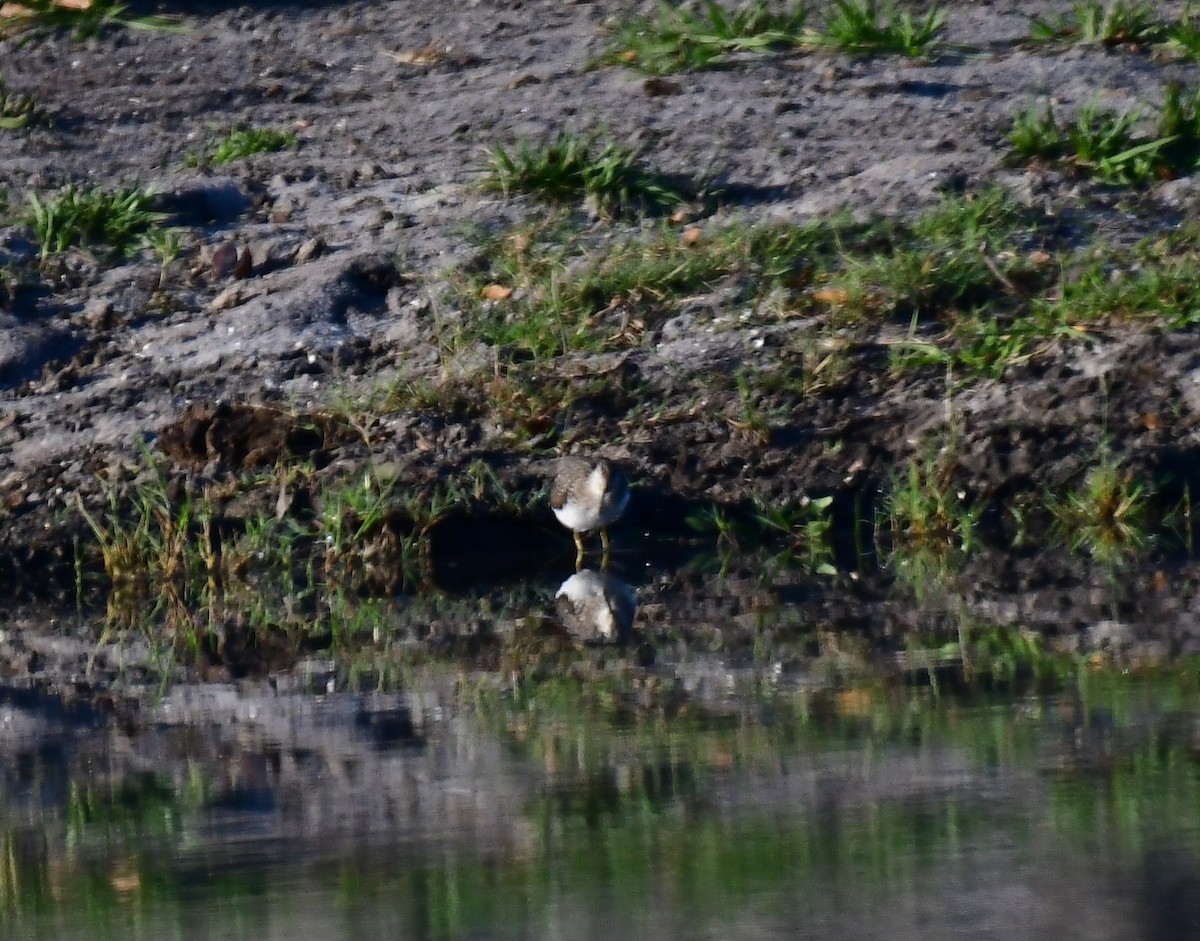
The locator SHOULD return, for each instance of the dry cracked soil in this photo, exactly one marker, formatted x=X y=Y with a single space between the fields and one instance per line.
x=314 y=279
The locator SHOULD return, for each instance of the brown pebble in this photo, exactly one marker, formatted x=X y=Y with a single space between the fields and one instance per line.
x=224 y=260
x=312 y=248
x=659 y=87
x=99 y=314
x=244 y=265
x=230 y=297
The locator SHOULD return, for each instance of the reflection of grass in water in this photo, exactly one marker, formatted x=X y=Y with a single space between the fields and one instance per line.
x=570 y=723
x=580 y=729
x=145 y=805
x=91 y=861
x=628 y=809
x=711 y=865
x=988 y=656
x=798 y=532
x=619 y=839
x=1132 y=779
x=189 y=579
x=716 y=866
x=461 y=897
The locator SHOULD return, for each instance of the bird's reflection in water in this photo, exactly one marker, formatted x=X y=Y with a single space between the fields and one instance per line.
x=596 y=606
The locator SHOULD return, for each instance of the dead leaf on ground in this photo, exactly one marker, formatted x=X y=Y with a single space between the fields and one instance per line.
x=692 y=235
x=431 y=54
x=831 y=296
x=496 y=292
x=21 y=9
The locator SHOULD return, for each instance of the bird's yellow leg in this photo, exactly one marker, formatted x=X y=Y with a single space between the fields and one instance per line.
x=578 y=550
x=604 y=547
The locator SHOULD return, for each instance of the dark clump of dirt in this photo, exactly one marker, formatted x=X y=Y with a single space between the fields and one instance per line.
x=244 y=437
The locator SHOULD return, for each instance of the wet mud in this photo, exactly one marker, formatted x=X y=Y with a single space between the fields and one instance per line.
x=314 y=283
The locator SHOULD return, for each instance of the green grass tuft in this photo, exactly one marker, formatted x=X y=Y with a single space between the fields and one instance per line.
x=16 y=111
x=1106 y=145
x=1107 y=515
x=90 y=217
x=1183 y=37
x=1098 y=143
x=47 y=16
x=930 y=524
x=1115 y=23
x=941 y=264
x=679 y=39
x=867 y=27
x=572 y=167
x=557 y=289
x=241 y=143
x=167 y=244
x=1179 y=130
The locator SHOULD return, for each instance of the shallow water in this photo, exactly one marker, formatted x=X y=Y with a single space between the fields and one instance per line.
x=455 y=811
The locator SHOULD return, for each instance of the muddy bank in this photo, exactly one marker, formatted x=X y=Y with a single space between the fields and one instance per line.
x=358 y=306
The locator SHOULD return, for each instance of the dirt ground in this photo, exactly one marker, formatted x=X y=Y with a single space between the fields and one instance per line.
x=390 y=156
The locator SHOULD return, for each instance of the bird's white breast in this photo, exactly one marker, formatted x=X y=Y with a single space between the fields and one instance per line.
x=579 y=518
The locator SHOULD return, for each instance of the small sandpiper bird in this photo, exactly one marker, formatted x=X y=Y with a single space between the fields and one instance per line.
x=588 y=495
